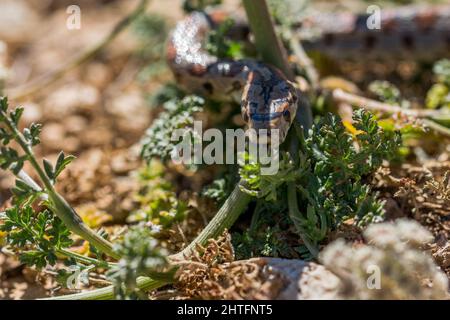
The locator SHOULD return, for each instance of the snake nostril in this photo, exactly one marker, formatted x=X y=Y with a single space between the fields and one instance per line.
x=208 y=87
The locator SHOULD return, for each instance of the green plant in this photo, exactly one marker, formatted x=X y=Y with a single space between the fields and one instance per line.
x=439 y=94
x=140 y=255
x=178 y=114
x=197 y=5
x=221 y=46
x=37 y=237
x=27 y=191
x=265 y=186
x=158 y=203
x=40 y=223
x=328 y=179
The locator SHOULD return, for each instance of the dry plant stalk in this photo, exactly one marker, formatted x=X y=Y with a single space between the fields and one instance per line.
x=213 y=274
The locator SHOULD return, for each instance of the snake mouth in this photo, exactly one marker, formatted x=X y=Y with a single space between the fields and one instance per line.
x=266 y=136
x=262 y=117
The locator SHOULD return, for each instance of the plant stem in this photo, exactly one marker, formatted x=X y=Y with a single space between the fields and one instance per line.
x=107 y=293
x=437 y=127
x=303 y=60
x=84 y=259
x=59 y=205
x=362 y=102
x=370 y=104
x=266 y=40
x=224 y=219
x=45 y=80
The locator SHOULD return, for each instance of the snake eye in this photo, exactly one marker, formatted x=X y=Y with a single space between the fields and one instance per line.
x=287 y=115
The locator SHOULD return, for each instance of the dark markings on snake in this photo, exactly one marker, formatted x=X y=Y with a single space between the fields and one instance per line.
x=208 y=87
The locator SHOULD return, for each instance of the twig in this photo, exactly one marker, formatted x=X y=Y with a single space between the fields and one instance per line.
x=45 y=80
x=304 y=61
x=437 y=127
x=423 y=114
x=362 y=102
x=224 y=219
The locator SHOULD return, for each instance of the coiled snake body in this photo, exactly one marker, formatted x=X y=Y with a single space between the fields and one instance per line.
x=268 y=99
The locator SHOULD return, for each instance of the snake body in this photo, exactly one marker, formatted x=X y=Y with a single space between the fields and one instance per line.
x=268 y=100
x=419 y=32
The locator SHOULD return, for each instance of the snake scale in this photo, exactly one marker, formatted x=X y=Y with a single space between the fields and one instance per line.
x=268 y=99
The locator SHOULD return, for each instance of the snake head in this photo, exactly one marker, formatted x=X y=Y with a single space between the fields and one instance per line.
x=270 y=108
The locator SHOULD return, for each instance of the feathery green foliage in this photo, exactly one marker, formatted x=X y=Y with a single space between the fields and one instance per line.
x=439 y=94
x=140 y=254
x=329 y=177
x=34 y=236
x=221 y=46
x=157 y=142
x=158 y=203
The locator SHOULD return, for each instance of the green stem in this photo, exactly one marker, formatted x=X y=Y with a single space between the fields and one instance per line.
x=59 y=205
x=107 y=293
x=84 y=259
x=224 y=219
x=266 y=40
x=296 y=217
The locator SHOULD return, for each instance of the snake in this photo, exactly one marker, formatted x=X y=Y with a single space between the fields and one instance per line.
x=268 y=99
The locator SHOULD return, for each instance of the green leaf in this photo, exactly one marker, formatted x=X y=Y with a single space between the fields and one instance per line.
x=442 y=70
x=3 y=104
x=37 y=258
x=16 y=114
x=5 y=136
x=48 y=167
x=32 y=134
x=62 y=163
x=157 y=142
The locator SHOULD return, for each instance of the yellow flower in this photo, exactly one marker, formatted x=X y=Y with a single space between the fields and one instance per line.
x=2 y=237
x=350 y=128
x=93 y=217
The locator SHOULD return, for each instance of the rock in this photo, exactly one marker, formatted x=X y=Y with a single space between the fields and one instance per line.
x=305 y=280
x=17 y=21
x=69 y=98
